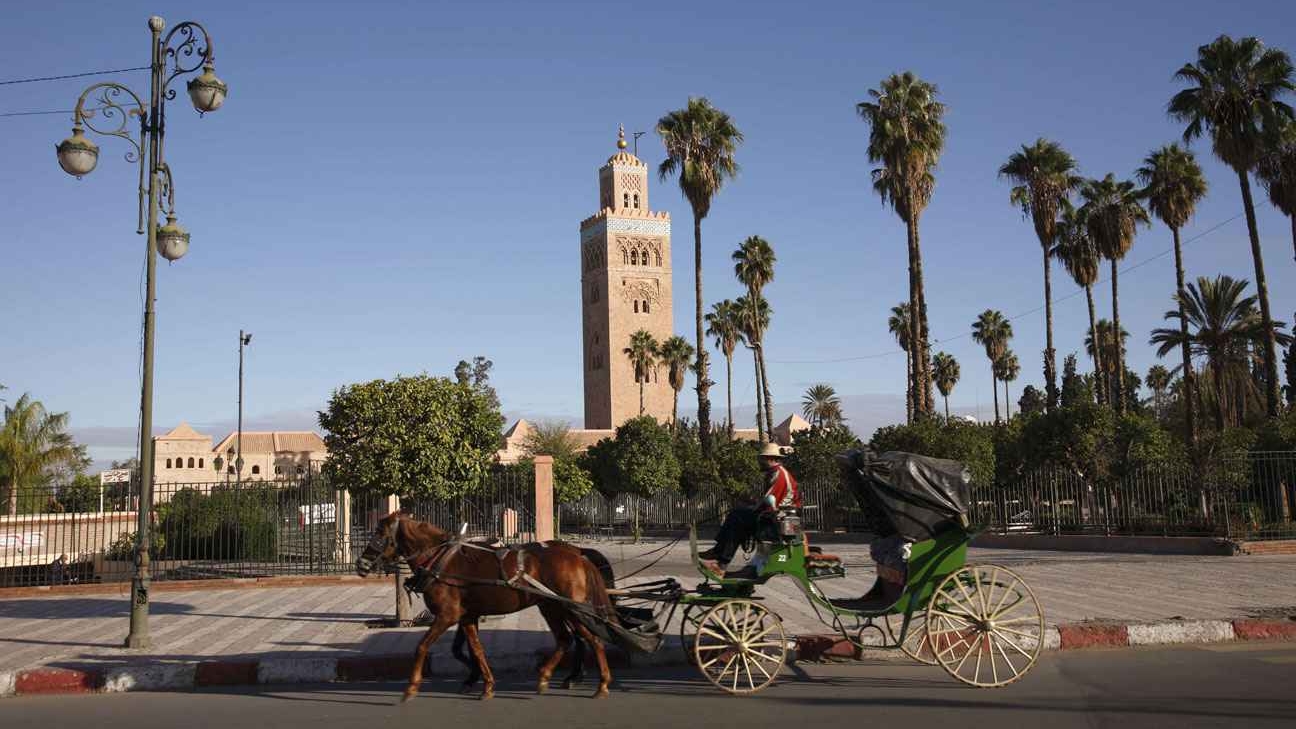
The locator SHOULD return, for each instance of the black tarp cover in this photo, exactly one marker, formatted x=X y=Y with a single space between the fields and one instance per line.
x=918 y=496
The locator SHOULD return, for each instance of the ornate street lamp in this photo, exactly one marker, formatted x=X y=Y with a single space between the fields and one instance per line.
x=184 y=50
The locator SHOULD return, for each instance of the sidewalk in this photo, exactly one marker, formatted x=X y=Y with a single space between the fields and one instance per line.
x=291 y=634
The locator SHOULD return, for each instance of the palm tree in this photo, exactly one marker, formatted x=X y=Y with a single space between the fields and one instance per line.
x=906 y=137
x=1080 y=257
x=753 y=320
x=1043 y=174
x=1173 y=185
x=1158 y=380
x=722 y=324
x=551 y=438
x=992 y=331
x=754 y=268
x=821 y=406
x=700 y=142
x=33 y=442
x=1112 y=212
x=1110 y=355
x=899 y=324
x=1277 y=172
x=643 y=357
x=1006 y=369
x=945 y=373
x=1222 y=327
x=675 y=353
x=1233 y=93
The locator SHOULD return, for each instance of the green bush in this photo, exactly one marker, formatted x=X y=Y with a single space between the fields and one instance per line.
x=225 y=524
x=971 y=444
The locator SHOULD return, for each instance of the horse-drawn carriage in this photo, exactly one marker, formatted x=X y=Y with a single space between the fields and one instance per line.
x=980 y=623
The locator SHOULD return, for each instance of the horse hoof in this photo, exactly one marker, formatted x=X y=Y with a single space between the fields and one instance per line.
x=602 y=693
x=488 y=694
x=569 y=683
x=410 y=693
x=542 y=687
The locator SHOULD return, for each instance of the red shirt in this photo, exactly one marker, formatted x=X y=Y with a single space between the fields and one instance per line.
x=783 y=489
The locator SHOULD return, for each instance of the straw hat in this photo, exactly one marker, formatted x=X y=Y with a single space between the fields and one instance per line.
x=773 y=450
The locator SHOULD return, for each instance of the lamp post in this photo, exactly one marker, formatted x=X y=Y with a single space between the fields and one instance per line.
x=184 y=50
x=244 y=340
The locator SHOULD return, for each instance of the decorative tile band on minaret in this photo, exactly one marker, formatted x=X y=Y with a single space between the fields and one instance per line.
x=625 y=260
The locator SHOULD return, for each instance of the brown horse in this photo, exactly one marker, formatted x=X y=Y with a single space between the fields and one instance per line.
x=470 y=580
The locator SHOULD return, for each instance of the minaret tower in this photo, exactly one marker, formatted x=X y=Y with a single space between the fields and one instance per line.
x=625 y=287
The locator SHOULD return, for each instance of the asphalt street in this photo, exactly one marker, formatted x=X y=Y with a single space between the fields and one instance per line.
x=1240 y=684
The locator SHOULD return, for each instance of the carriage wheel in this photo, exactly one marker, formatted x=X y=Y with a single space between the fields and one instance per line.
x=985 y=626
x=689 y=622
x=740 y=646
x=915 y=643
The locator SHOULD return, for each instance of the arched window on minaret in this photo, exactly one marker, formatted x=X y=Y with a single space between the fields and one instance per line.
x=659 y=259
x=636 y=201
x=625 y=257
x=168 y=463
x=191 y=463
x=645 y=306
x=636 y=308
x=625 y=199
x=634 y=257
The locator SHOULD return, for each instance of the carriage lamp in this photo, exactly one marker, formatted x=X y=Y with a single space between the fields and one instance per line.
x=76 y=154
x=172 y=240
x=207 y=92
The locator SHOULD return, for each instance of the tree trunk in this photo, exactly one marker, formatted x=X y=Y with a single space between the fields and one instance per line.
x=765 y=391
x=1189 y=378
x=1221 y=406
x=1097 y=348
x=641 y=394
x=729 y=389
x=1262 y=292
x=1007 y=404
x=909 y=391
x=915 y=328
x=1118 y=397
x=703 y=382
x=12 y=498
x=994 y=383
x=674 y=407
x=1050 y=356
x=946 y=408
x=760 y=412
x=924 y=344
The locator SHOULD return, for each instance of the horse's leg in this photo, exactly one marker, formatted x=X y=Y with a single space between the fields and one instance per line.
x=469 y=627
x=605 y=675
x=474 y=672
x=577 y=674
x=438 y=627
x=562 y=637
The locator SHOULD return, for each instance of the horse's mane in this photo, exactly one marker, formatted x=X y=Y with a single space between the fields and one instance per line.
x=423 y=531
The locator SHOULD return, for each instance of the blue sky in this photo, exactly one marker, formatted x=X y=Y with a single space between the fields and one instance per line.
x=392 y=187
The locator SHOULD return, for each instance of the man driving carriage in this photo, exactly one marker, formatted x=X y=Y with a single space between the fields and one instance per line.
x=742 y=523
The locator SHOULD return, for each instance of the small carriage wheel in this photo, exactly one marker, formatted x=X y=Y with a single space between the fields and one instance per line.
x=985 y=626
x=915 y=643
x=689 y=622
x=740 y=646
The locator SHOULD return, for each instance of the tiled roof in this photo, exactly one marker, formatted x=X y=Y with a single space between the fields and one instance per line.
x=274 y=442
x=183 y=432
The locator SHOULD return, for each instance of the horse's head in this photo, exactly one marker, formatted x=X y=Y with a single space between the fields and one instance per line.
x=382 y=547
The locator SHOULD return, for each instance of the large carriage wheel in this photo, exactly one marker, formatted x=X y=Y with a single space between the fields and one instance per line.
x=914 y=644
x=985 y=626
x=740 y=646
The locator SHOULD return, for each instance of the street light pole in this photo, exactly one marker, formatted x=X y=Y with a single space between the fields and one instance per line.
x=244 y=340
x=78 y=156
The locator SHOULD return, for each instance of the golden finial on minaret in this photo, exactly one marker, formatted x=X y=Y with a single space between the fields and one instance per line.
x=621 y=142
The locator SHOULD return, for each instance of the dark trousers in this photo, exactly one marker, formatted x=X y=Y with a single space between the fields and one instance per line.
x=739 y=526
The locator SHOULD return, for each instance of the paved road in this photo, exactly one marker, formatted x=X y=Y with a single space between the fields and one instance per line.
x=1224 y=685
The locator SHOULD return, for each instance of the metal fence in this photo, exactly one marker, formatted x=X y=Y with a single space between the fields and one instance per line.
x=1248 y=498
x=220 y=530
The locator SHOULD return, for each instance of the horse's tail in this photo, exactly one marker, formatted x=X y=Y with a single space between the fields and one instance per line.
x=602 y=564
x=596 y=591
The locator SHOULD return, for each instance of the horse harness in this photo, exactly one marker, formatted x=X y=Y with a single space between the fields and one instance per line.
x=429 y=566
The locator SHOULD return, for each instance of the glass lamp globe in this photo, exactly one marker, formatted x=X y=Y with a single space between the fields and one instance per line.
x=207 y=92
x=172 y=240
x=76 y=154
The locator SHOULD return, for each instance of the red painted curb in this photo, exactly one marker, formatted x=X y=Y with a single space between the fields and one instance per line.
x=1093 y=636
x=1264 y=630
x=57 y=681
x=225 y=673
x=377 y=668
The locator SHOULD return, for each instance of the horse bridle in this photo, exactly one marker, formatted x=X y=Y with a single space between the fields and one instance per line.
x=378 y=544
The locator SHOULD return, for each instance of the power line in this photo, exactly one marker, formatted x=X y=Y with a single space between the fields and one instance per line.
x=1014 y=317
x=70 y=75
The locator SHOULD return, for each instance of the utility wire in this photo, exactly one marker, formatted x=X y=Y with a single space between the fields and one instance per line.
x=70 y=75
x=1072 y=295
